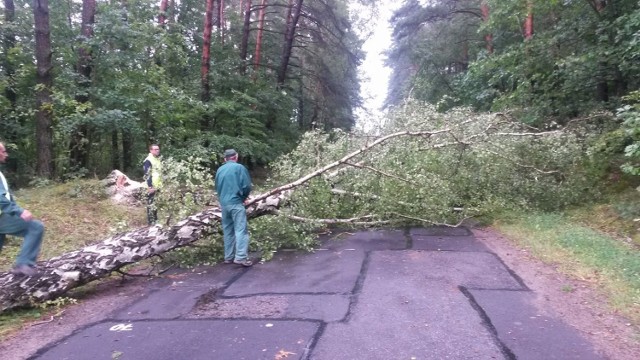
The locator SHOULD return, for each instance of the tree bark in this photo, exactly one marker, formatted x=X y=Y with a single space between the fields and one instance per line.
x=528 y=23
x=488 y=38
x=162 y=13
x=44 y=79
x=76 y=268
x=9 y=41
x=79 y=144
x=127 y=150
x=246 y=29
x=115 y=150
x=256 y=58
x=288 y=43
x=221 y=20
x=206 y=52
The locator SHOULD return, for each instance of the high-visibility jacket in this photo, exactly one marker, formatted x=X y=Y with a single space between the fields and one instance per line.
x=154 y=172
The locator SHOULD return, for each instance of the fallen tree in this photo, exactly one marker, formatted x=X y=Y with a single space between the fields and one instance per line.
x=473 y=136
x=63 y=273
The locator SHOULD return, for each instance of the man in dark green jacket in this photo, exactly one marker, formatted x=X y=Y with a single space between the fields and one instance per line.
x=233 y=185
x=17 y=221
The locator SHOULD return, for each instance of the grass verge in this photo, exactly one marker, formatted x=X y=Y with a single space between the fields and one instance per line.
x=584 y=252
x=75 y=214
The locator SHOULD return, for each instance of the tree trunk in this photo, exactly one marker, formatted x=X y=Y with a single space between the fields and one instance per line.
x=206 y=52
x=79 y=144
x=171 y=12
x=9 y=41
x=256 y=59
x=162 y=13
x=221 y=20
x=115 y=150
x=288 y=43
x=488 y=38
x=73 y=269
x=127 y=151
x=528 y=23
x=44 y=79
x=602 y=86
x=246 y=29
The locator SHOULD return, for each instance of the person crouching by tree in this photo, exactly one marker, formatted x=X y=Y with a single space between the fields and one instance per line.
x=17 y=221
x=233 y=185
x=152 y=167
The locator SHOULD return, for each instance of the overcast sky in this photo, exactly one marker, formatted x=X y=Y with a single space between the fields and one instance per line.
x=374 y=74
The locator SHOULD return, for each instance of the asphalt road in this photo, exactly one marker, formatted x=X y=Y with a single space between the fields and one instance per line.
x=420 y=293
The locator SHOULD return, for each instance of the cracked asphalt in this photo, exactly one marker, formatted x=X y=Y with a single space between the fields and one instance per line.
x=418 y=293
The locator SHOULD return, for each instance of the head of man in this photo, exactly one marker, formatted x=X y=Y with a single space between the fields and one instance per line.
x=3 y=154
x=230 y=155
x=154 y=149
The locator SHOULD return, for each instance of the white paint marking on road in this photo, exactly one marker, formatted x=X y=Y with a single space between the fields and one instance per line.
x=121 y=327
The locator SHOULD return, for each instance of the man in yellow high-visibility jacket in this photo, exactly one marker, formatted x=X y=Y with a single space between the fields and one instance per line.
x=17 y=221
x=152 y=167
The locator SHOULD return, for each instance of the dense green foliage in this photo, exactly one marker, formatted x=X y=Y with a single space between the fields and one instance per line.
x=145 y=84
x=583 y=56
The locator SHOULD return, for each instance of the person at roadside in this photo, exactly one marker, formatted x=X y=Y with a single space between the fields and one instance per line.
x=233 y=185
x=152 y=167
x=17 y=221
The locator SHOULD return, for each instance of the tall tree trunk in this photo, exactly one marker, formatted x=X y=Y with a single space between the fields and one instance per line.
x=127 y=151
x=221 y=20
x=300 y=114
x=44 y=79
x=115 y=150
x=288 y=43
x=528 y=23
x=216 y=14
x=246 y=29
x=171 y=12
x=162 y=13
x=488 y=38
x=79 y=144
x=256 y=59
x=602 y=86
x=206 y=52
x=9 y=41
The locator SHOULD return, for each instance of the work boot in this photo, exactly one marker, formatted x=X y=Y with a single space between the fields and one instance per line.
x=243 y=262
x=24 y=270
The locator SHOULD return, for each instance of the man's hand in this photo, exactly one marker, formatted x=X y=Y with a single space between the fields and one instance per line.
x=151 y=190
x=26 y=215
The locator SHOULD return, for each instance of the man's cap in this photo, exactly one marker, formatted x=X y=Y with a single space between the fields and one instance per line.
x=229 y=153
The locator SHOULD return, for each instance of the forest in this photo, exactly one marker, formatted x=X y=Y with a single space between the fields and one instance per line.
x=86 y=86
x=493 y=107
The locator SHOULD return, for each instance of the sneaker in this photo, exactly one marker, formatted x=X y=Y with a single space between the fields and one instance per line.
x=228 y=262
x=24 y=270
x=243 y=262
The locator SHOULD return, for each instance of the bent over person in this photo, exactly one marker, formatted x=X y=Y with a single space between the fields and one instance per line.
x=233 y=185
x=153 y=174
x=17 y=221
